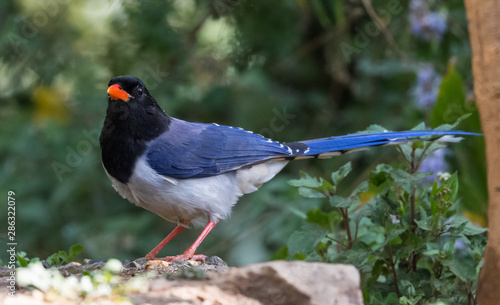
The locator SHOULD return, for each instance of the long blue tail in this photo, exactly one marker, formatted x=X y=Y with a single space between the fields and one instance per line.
x=327 y=147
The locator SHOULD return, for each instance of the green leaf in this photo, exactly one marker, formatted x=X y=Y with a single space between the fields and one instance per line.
x=470 y=229
x=74 y=251
x=463 y=265
x=374 y=128
x=322 y=250
x=451 y=99
x=420 y=126
x=327 y=221
x=383 y=168
x=393 y=232
x=317 y=216
x=304 y=241
x=281 y=254
x=361 y=188
x=305 y=181
x=406 y=180
x=407 y=149
x=403 y=179
x=454 y=125
x=56 y=258
x=341 y=173
x=364 y=211
x=341 y=202
x=452 y=184
x=376 y=209
x=22 y=261
x=459 y=222
x=311 y=187
x=392 y=298
x=423 y=222
x=356 y=256
x=299 y=257
x=378 y=181
x=377 y=299
x=310 y=193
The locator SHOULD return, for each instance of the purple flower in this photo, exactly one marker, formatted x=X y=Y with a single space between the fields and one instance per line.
x=460 y=244
x=435 y=163
x=426 y=24
x=427 y=87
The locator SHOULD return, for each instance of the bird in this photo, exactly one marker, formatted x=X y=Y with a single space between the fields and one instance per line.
x=188 y=172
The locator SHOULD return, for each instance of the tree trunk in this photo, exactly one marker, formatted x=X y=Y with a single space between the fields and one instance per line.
x=484 y=33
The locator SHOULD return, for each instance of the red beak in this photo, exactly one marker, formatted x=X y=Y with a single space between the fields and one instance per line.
x=117 y=93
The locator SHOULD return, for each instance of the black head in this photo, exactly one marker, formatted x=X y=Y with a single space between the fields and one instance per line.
x=132 y=119
x=133 y=110
x=130 y=103
x=129 y=89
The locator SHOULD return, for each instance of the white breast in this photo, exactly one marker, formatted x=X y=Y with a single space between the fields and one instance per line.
x=178 y=200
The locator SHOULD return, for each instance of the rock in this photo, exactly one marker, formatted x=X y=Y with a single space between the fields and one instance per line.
x=156 y=264
x=70 y=268
x=216 y=261
x=301 y=283
x=186 y=292
x=132 y=264
x=45 y=264
x=275 y=283
x=92 y=261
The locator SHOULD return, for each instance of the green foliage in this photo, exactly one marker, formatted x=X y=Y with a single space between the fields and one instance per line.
x=407 y=239
x=61 y=257
x=55 y=259
x=23 y=260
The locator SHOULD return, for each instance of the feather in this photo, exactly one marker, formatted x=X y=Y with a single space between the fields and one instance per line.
x=196 y=150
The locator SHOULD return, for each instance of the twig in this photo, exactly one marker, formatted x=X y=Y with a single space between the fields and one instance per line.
x=422 y=156
x=345 y=218
x=414 y=225
x=392 y=265
x=356 y=232
x=337 y=241
x=412 y=208
x=413 y=166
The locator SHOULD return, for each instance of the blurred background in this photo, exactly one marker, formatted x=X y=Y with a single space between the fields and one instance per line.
x=288 y=69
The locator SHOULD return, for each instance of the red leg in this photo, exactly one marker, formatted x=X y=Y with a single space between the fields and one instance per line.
x=157 y=249
x=189 y=253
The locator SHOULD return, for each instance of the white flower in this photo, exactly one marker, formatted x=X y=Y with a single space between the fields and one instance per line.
x=36 y=275
x=394 y=218
x=443 y=176
x=104 y=289
x=113 y=265
x=86 y=284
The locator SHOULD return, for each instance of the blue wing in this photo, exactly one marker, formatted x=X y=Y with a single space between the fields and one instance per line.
x=196 y=150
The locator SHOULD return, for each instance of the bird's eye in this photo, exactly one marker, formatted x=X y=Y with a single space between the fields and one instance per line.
x=139 y=91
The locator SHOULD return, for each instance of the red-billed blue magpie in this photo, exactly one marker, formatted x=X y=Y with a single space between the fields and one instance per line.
x=186 y=171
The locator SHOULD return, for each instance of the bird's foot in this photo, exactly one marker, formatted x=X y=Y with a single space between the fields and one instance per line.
x=151 y=256
x=186 y=257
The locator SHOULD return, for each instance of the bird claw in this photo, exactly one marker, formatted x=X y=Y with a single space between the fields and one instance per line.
x=150 y=256
x=186 y=257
